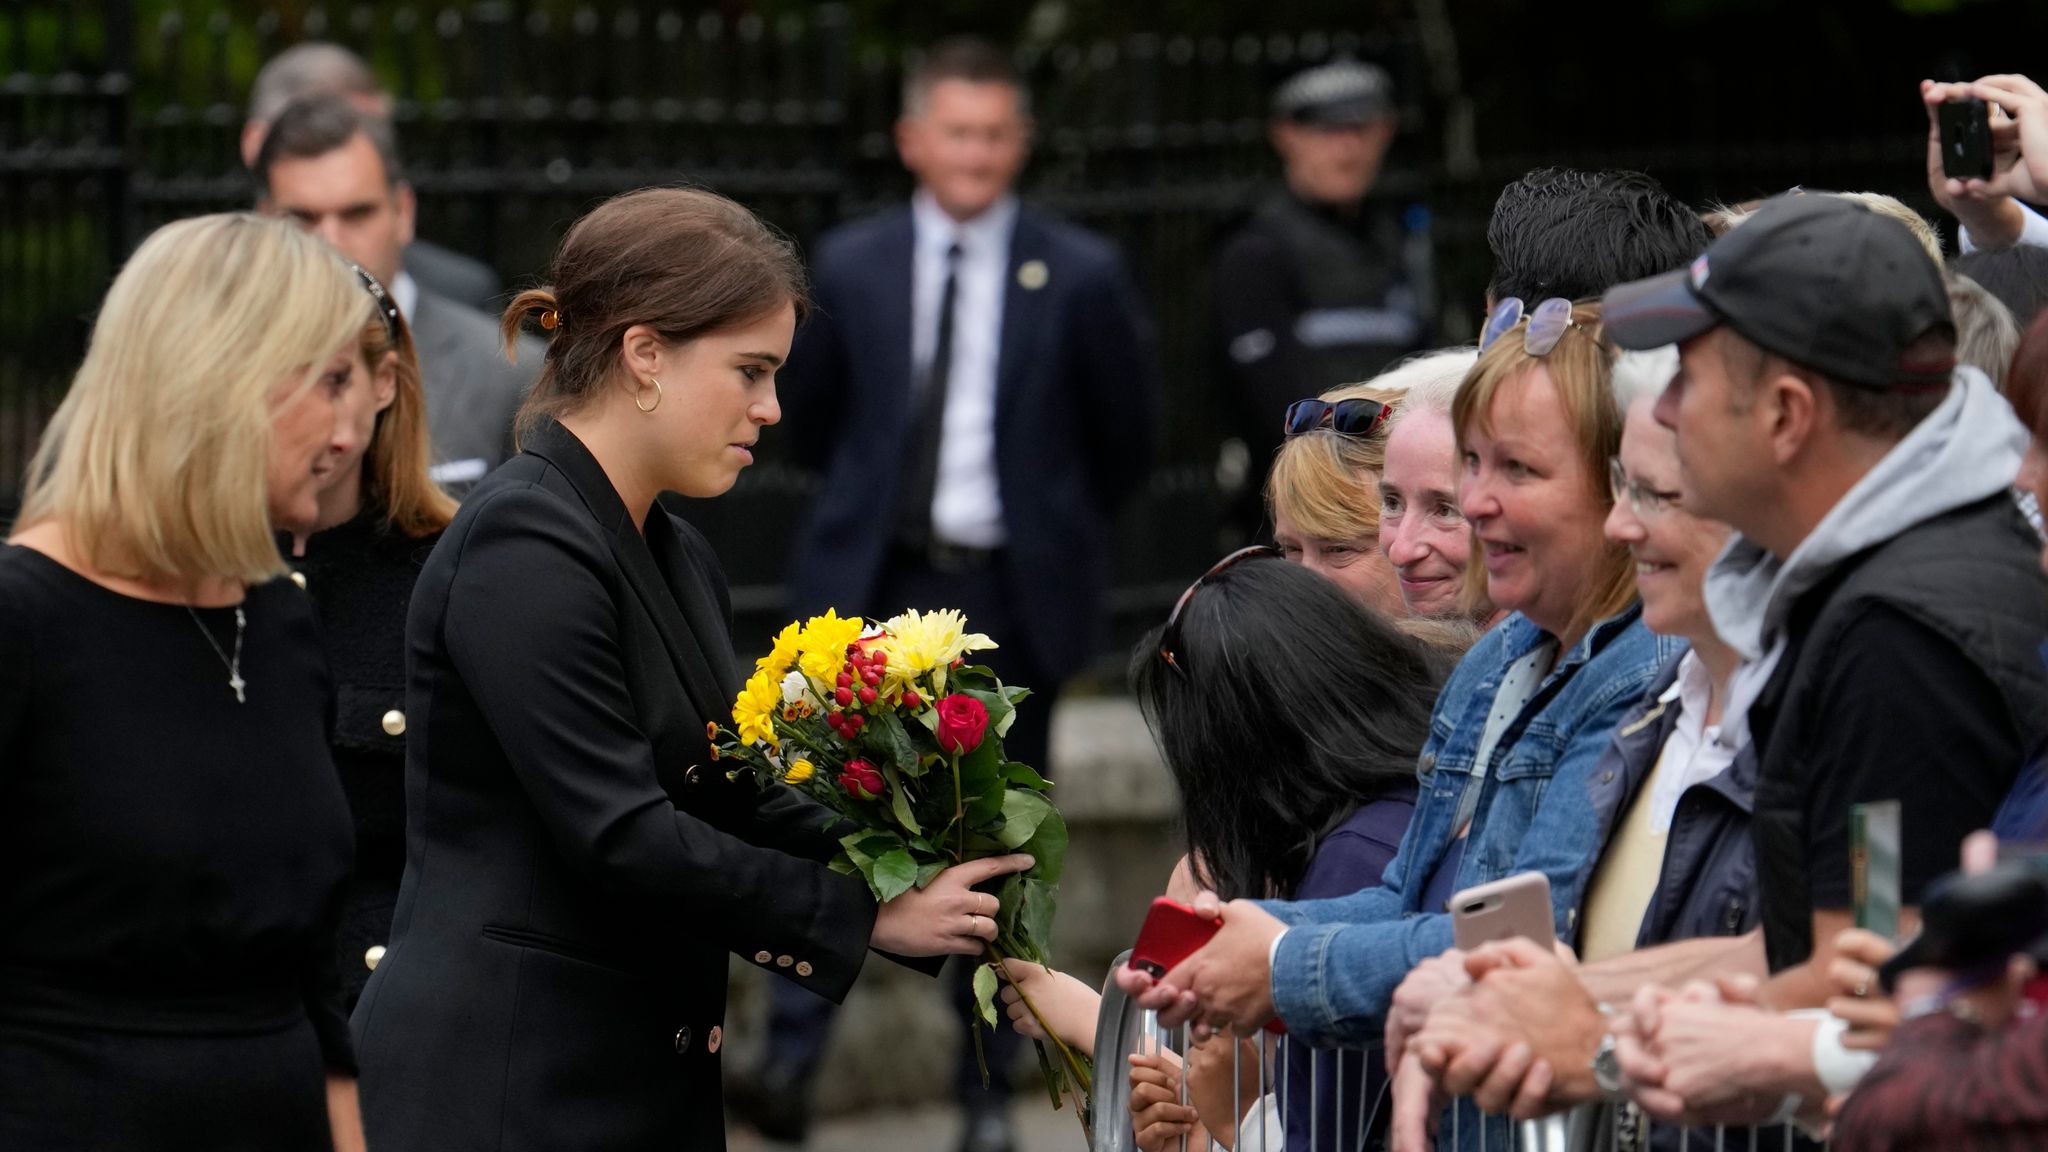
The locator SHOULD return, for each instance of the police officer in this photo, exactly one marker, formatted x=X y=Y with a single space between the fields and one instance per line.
x=1316 y=287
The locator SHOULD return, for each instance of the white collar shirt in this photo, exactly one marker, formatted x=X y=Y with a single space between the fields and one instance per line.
x=1696 y=751
x=405 y=292
x=967 y=506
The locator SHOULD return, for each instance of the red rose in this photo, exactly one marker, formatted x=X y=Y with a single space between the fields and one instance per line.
x=962 y=721
x=861 y=780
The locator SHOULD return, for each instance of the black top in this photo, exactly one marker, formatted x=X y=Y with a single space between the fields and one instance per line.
x=360 y=575
x=578 y=867
x=170 y=860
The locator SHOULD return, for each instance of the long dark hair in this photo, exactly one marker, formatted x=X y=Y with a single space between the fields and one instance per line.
x=1292 y=706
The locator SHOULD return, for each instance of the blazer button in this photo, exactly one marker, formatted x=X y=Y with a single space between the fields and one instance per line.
x=299 y=578
x=694 y=775
x=394 y=723
x=714 y=1039
x=803 y=968
x=373 y=956
x=682 y=1040
x=784 y=961
x=763 y=956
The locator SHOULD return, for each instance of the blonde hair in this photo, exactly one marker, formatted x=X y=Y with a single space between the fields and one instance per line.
x=1724 y=218
x=1986 y=334
x=1315 y=479
x=1581 y=368
x=156 y=465
x=1428 y=381
x=396 y=465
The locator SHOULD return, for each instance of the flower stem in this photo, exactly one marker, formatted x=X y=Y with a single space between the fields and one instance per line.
x=1084 y=1082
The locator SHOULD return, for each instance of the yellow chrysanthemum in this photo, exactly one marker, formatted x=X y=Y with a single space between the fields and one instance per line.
x=821 y=646
x=782 y=656
x=799 y=771
x=753 y=714
x=929 y=642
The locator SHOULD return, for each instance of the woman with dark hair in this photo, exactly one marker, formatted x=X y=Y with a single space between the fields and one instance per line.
x=578 y=865
x=380 y=514
x=1290 y=718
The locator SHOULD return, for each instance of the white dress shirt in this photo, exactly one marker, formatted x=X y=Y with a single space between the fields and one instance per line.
x=405 y=292
x=1696 y=750
x=967 y=503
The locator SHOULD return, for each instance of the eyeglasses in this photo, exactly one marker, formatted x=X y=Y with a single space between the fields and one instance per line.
x=1547 y=324
x=1642 y=499
x=387 y=309
x=1169 y=637
x=1355 y=417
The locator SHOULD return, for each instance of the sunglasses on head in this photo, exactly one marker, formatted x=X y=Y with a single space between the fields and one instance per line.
x=1354 y=417
x=1169 y=637
x=387 y=308
x=1547 y=324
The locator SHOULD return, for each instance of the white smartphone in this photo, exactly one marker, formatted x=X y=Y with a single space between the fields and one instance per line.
x=1517 y=905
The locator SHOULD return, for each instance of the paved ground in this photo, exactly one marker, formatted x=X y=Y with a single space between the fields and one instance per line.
x=935 y=1129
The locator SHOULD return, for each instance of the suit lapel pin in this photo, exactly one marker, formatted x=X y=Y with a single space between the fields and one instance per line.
x=1032 y=275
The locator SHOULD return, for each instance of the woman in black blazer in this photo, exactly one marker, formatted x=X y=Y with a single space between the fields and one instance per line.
x=577 y=865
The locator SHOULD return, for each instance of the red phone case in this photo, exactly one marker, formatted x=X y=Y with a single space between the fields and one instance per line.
x=1171 y=933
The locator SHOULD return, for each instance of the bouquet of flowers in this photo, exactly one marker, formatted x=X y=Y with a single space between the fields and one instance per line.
x=889 y=726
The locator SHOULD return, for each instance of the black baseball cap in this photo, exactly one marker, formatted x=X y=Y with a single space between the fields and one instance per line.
x=1973 y=924
x=1338 y=93
x=1822 y=281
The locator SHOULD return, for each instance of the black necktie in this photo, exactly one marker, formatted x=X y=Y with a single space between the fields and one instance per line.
x=914 y=510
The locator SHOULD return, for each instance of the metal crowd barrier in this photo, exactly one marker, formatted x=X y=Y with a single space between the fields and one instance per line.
x=1346 y=1120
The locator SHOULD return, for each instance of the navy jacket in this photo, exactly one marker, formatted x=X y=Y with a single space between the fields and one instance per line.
x=1708 y=885
x=1076 y=419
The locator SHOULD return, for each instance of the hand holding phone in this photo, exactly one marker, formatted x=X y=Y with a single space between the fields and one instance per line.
x=1171 y=933
x=1965 y=128
x=1517 y=905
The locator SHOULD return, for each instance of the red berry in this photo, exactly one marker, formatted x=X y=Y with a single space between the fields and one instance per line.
x=872 y=678
x=879 y=658
x=846 y=679
x=867 y=695
x=856 y=722
x=844 y=696
x=912 y=699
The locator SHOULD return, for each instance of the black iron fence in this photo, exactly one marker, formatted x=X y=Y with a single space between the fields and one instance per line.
x=117 y=115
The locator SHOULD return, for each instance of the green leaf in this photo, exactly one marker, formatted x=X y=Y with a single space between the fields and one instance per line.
x=899 y=800
x=894 y=873
x=842 y=865
x=1010 y=897
x=1048 y=847
x=1000 y=714
x=1024 y=776
x=927 y=873
x=888 y=732
x=1023 y=812
x=879 y=843
x=985 y=994
x=1034 y=920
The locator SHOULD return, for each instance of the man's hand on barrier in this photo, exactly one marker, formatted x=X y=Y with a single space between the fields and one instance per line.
x=1427 y=985
x=1703 y=1060
x=1468 y=1053
x=1531 y=997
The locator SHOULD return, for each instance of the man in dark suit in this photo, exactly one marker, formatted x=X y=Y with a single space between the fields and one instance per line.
x=315 y=67
x=335 y=170
x=978 y=387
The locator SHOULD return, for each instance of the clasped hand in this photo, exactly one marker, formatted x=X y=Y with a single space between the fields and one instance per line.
x=1226 y=984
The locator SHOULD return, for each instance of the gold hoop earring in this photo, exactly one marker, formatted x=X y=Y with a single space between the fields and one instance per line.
x=657 y=396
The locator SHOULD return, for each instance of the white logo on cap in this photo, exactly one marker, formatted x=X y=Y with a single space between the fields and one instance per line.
x=1699 y=273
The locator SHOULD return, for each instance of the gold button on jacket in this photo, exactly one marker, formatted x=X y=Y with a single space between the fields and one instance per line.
x=763 y=956
x=394 y=723
x=803 y=967
x=784 y=961
x=299 y=578
x=715 y=1039
x=371 y=956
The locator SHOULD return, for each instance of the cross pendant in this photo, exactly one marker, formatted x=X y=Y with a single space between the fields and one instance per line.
x=236 y=682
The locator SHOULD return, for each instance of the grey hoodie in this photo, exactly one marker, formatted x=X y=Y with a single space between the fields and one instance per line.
x=1965 y=450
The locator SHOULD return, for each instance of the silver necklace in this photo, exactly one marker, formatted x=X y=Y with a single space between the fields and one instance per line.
x=234 y=663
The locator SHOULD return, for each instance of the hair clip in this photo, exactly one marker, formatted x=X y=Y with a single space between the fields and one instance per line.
x=387 y=309
x=550 y=319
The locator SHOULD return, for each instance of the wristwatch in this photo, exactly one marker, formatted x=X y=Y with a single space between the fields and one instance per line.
x=1607 y=1068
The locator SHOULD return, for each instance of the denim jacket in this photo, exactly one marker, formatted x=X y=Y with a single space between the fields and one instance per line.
x=1336 y=968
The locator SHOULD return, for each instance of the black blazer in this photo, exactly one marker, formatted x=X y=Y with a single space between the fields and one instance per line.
x=577 y=867
x=1077 y=414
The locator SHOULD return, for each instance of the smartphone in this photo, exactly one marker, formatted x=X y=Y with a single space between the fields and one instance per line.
x=1517 y=905
x=1874 y=866
x=1171 y=933
x=1965 y=127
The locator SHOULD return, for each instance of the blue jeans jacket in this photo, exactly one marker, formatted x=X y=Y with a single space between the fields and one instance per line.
x=1341 y=959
